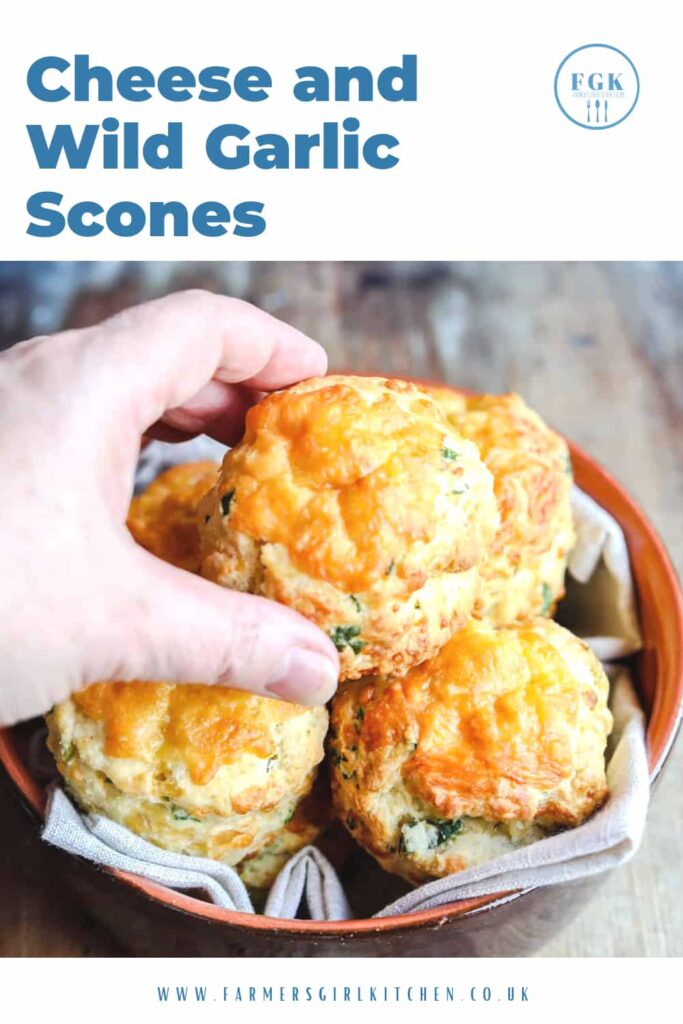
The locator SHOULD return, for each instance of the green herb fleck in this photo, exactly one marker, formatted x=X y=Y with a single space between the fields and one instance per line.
x=347 y=636
x=226 y=501
x=68 y=753
x=181 y=815
x=547 y=596
x=418 y=606
x=443 y=831
x=449 y=454
x=206 y=518
x=351 y=823
x=360 y=714
x=392 y=568
x=269 y=762
x=461 y=490
x=348 y=775
x=359 y=606
x=568 y=468
x=446 y=830
x=290 y=815
x=337 y=757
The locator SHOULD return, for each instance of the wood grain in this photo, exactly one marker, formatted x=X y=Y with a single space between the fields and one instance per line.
x=596 y=348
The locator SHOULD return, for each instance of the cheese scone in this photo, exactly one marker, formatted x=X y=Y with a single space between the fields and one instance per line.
x=312 y=816
x=202 y=770
x=355 y=502
x=490 y=745
x=523 y=573
x=164 y=518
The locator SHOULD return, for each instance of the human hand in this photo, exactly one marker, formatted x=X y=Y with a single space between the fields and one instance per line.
x=80 y=601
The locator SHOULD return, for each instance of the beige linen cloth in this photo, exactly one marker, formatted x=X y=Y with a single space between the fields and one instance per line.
x=599 y=607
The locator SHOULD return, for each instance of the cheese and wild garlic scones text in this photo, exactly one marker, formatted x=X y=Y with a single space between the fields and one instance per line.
x=355 y=502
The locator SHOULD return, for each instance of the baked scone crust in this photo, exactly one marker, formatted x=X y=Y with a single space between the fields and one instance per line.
x=164 y=518
x=203 y=770
x=496 y=740
x=354 y=501
x=523 y=573
x=312 y=815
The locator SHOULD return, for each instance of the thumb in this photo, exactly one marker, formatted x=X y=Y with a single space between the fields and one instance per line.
x=179 y=627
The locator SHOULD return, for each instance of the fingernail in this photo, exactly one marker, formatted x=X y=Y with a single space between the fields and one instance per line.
x=305 y=678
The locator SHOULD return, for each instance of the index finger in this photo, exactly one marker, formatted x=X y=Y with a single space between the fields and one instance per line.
x=159 y=355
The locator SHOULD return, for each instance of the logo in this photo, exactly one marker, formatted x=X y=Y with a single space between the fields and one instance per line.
x=597 y=86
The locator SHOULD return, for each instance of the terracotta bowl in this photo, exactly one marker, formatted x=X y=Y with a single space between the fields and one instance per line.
x=151 y=920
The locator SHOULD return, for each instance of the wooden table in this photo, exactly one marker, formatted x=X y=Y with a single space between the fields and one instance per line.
x=597 y=349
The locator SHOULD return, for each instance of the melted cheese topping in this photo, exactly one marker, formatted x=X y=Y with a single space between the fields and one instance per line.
x=163 y=518
x=494 y=718
x=205 y=727
x=530 y=468
x=345 y=475
x=531 y=471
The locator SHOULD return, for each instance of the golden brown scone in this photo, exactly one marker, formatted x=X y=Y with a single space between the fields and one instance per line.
x=523 y=573
x=313 y=814
x=497 y=740
x=163 y=518
x=202 y=770
x=355 y=502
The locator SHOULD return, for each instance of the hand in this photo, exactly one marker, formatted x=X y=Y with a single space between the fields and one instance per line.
x=79 y=600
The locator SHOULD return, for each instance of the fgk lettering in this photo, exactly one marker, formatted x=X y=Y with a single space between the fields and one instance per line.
x=595 y=81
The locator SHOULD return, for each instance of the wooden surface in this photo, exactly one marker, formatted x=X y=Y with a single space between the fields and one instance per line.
x=597 y=349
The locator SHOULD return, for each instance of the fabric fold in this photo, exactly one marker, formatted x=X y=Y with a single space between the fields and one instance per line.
x=308 y=874
x=104 y=842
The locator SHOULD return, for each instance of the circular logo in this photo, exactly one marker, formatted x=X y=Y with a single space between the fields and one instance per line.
x=597 y=86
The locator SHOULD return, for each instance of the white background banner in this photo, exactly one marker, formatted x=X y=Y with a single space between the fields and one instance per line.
x=489 y=165
x=178 y=990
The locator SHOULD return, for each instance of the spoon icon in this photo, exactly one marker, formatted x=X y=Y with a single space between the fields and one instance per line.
x=597 y=110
